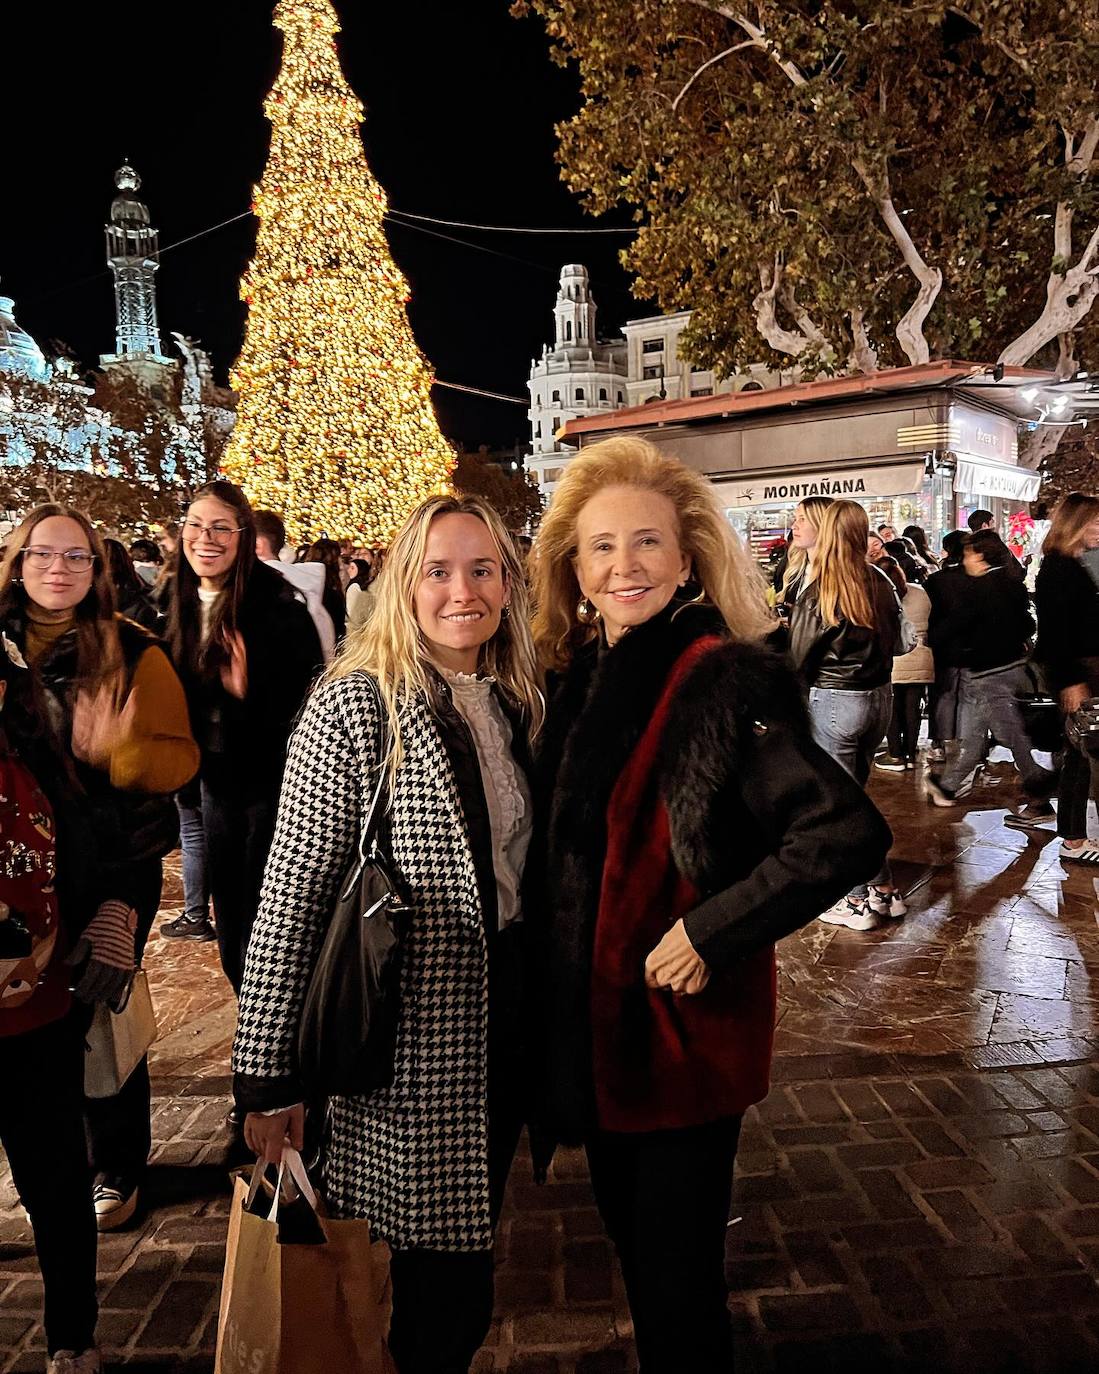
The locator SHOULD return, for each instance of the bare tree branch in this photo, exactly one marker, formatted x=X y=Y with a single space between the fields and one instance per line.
x=1071 y=288
x=737 y=47
x=782 y=340
x=909 y=330
x=863 y=356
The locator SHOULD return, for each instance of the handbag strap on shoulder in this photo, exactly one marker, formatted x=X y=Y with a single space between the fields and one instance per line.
x=379 y=801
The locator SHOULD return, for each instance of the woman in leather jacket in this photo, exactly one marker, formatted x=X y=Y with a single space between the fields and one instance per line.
x=844 y=631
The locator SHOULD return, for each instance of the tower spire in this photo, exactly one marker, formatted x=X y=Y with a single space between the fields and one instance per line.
x=133 y=254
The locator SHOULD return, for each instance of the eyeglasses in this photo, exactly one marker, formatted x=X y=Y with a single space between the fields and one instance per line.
x=218 y=534
x=75 y=560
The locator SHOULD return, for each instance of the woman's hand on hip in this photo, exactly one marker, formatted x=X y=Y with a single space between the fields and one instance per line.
x=267 y=1135
x=674 y=964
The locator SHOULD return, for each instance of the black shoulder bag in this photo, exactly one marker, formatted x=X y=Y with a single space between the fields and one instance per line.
x=348 y=1032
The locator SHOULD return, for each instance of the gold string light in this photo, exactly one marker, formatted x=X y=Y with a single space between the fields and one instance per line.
x=335 y=427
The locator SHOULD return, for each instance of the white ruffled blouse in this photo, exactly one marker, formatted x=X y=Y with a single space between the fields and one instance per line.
x=506 y=792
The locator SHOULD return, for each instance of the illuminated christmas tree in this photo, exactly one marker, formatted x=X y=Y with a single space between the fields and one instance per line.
x=335 y=427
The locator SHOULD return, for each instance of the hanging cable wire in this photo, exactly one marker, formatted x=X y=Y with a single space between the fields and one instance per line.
x=523 y=401
x=508 y=228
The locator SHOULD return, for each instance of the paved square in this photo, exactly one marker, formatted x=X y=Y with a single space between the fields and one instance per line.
x=920 y=1191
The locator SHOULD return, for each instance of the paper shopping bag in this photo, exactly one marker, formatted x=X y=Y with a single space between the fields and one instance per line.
x=301 y=1309
x=117 y=1041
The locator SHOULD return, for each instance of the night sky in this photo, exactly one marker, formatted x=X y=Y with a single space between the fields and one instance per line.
x=460 y=99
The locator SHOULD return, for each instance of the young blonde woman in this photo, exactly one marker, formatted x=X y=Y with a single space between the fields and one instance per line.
x=844 y=631
x=448 y=651
x=687 y=822
x=803 y=538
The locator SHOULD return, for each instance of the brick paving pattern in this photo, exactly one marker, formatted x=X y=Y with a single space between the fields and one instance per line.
x=920 y=1191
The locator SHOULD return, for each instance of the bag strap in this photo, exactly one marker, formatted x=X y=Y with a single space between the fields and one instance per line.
x=291 y=1161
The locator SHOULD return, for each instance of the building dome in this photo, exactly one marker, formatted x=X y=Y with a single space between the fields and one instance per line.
x=18 y=351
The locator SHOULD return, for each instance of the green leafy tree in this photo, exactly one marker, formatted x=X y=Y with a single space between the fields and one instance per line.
x=514 y=495
x=854 y=183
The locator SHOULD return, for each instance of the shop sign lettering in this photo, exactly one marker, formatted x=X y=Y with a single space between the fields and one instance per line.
x=824 y=486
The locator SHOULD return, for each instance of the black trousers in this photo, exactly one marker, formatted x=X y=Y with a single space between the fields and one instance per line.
x=664 y=1197
x=118 y=1128
x=1074 y=791
x=42 y=1132
x=903 y=734
x=239 y=828
x=442 y=1300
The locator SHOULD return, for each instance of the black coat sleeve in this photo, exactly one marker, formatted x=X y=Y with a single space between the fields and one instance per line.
x=824 y=837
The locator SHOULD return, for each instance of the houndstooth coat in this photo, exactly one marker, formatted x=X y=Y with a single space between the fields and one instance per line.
x=414 y=1157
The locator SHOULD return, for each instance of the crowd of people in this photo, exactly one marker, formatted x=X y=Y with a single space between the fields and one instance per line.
x=570 y=743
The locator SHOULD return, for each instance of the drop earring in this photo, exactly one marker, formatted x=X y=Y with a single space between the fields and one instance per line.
x=586 y=612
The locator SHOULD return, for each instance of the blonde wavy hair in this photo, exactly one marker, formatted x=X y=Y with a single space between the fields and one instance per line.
x=727 y=576
x=813 y=508
x=392 y=648
x=840 y=563
x=1068 y=530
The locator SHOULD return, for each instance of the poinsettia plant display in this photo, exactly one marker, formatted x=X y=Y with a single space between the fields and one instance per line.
x=1020 y=533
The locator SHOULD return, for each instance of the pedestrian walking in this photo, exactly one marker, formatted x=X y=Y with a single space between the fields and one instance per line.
x=131 y=591
x=48 y=904
x=446 y=667
x=118 y=712
x=943 y=589
x=669 y=729
x=326 y=554
x=362 y=593
x=309 y=579
x=844 y=632
x=247 y=652
x=918 y=537
x=799 y=572
x=1067 y=602
x=990 y=625
x=913 y=674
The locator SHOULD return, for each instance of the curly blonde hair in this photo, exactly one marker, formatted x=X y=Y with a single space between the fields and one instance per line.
x=391 y=646
x=726 y=574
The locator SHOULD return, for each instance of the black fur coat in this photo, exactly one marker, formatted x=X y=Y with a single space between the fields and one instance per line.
x=764 y=827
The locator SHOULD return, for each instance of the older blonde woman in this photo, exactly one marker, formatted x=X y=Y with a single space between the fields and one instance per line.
x=689 y=822
x=449 y=653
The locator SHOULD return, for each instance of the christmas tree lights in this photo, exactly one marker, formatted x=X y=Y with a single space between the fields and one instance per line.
x=335 y=427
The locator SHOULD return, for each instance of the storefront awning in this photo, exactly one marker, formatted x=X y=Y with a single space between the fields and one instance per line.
x=778 y=488
x=996 y=479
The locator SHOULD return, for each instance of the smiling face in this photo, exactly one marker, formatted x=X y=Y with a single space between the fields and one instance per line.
x=628 y=560
x=875 y=549
x=462 y=591
x=61 y=587
x=211 y=540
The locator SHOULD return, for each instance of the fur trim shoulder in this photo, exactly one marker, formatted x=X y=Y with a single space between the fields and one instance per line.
x=742 y=680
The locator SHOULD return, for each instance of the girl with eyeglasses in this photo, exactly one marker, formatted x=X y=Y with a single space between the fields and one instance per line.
x=117 y=711
x=247 y=650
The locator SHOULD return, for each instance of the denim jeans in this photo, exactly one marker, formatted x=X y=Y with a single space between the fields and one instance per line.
x=944 y=708
x=192 y=843
x=849 y=726
x=990 y=701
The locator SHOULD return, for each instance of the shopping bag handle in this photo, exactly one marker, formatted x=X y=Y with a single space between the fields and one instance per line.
x=290 y=1160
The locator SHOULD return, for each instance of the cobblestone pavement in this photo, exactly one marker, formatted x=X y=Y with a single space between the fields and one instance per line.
x=919 y=1192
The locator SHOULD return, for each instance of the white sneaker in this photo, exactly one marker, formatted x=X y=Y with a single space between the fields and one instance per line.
x=69 y=1362
x=1086 y=853
x=886 y=901
x=852 y=912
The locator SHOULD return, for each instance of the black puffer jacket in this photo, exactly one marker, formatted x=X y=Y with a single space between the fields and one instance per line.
x=845 y=657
